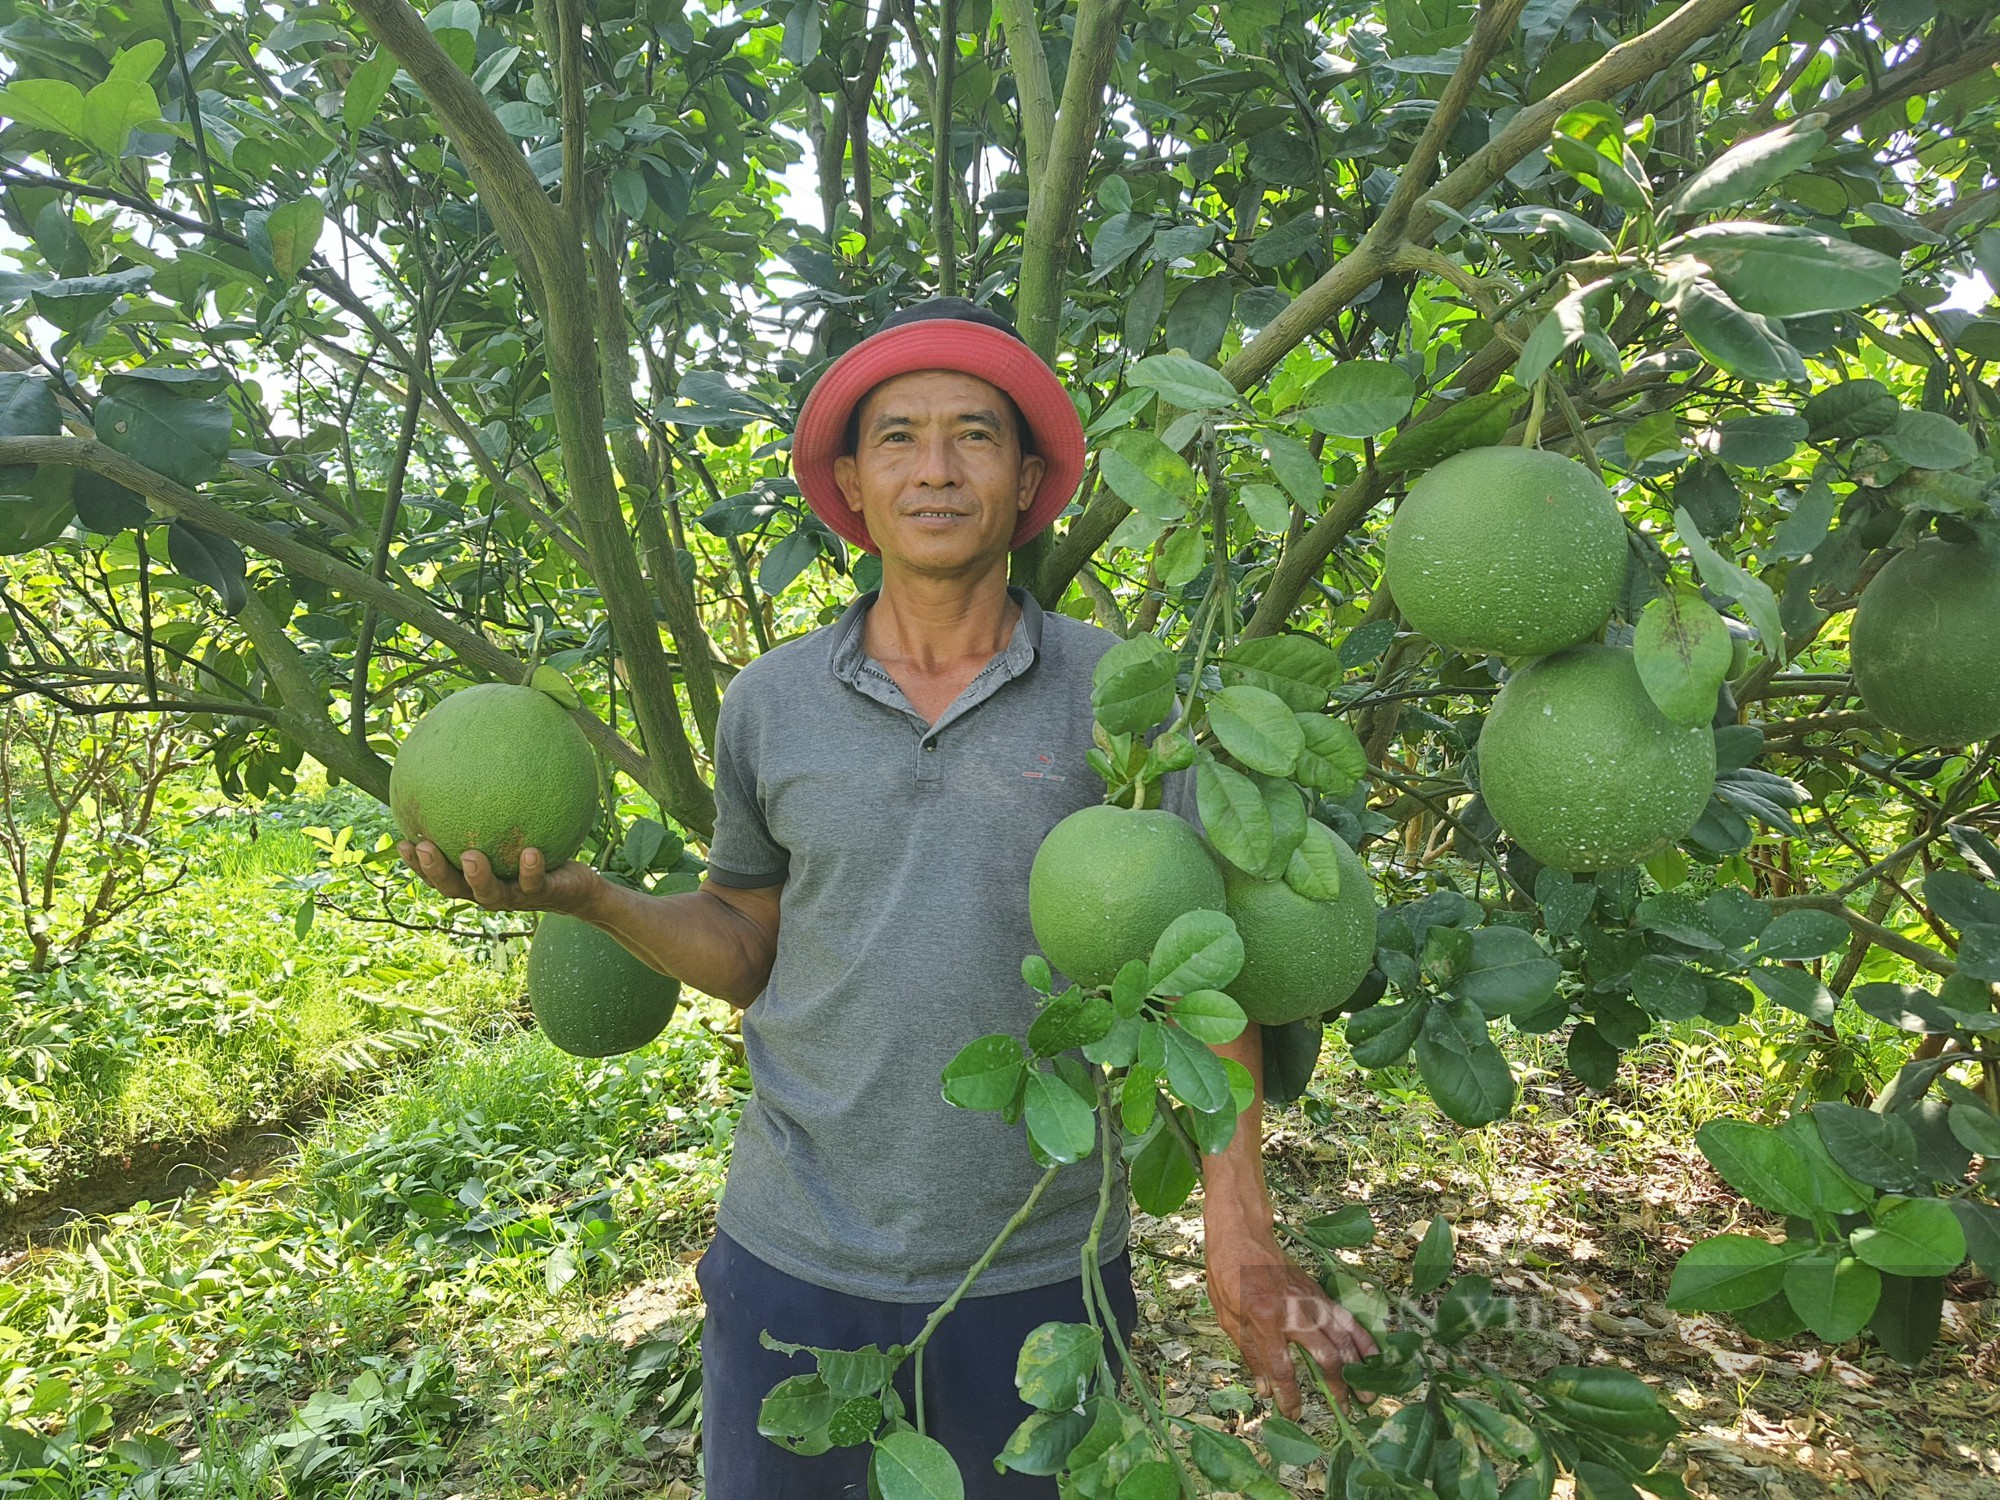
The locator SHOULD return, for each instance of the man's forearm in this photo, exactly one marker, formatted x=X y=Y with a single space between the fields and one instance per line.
x=697 y=938
x=1232 y=1180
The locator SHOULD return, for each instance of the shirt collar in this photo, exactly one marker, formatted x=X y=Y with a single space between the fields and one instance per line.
x=848 y=653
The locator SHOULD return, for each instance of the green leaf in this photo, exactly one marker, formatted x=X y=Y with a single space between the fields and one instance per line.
x=1565 y=901
x=27 y=409
x=1360 y=398
x=1728 y=1272
x=1876 y=1149
x=1851 y=409
x=1257 y=728
x=1835 y=1295
x=1682 y=651
x=1195 y=1075
x=1162 y=1174
x=1132 y=686
x=1209 y=1016
x=1331 y=757
x=792 y=555
x=113 y=109
x=1592 y=1057
x=1296 y=668
x=1147 y=475
x=1606 y=1399
x=1365 y=643
x=183 y=439
x=1435 y=1255
x=986 y=1073
x=1908 y=1317
x=1911 y=1237
x=1507 y=972
x=1561 y=326
x=1833 y=1190
x=1199 y=950
x=1225 y=1459
x=1382 y=1035
x=1907 y=1008
x=207 y=559
x=1131 y=986
x=1056 y=1363
x=1781 y=271
x=294 y=230
x=46 y=104
x=1266 y=506
x=1234 y=815
x=1314 y=868
x=1797 y=990
x=1668 y=989
x=1760 y=1164
x=1117 y=238
x=1062 y=1125
x=1138 y=1100
x=797 y=1410
x=1288 y=1442
x=1732 y=581
x=1297 y=470
x=367 y=87
x=1743 y=343
x=1803 y=934
x=1185 y=383
x=1475 y=422
x=1348 y=1227
x=1042 y=1443
x=909 y=1466
x=1975 y=1127
x=1749 y=167
x=1930 y=440
x=1471 y=1084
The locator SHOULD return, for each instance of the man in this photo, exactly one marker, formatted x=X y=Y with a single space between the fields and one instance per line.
x=881 y=787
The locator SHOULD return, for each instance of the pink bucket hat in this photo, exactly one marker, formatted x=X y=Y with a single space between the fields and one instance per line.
x=945 y=333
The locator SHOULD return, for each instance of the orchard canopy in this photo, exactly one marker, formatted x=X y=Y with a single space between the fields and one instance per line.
x=353 y=353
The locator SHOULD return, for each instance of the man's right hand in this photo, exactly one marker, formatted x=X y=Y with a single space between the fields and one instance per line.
x=569 y=887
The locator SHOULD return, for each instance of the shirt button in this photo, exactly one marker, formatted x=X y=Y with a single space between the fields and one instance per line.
x=930 y=745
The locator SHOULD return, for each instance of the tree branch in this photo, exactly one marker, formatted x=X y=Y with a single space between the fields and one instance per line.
x=1882 y=937
x=285 y=548
x=1491 y=32
x=1054 y=199
x=1022 y=24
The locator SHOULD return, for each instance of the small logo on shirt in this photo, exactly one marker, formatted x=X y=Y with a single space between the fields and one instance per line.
x=1044 y=769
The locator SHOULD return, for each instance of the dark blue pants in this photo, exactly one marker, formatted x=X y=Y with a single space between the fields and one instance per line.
x=970 y=1404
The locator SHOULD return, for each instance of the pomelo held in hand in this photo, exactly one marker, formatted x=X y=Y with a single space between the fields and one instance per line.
x=1506 y=552
x=1107 y=881
x=1301 y=957
x=1925 y=643
x=1583 y=771
x=497 y=768
x=591 y=997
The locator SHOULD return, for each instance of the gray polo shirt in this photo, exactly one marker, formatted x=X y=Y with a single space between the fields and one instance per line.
x=903 y=848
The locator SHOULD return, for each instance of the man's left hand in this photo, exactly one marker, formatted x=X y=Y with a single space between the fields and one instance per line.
x=1266 y=1304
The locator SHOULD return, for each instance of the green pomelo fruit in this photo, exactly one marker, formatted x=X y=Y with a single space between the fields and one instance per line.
x=1301 y=957
x=1583 y=771
x=497 y=768
x=1925 y=643
x=1107 y=881
x=591 y=997
x=1507 y=552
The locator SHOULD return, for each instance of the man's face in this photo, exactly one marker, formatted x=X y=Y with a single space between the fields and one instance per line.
x=937 y=472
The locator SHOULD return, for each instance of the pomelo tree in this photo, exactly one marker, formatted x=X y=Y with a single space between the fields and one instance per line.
x=350 y=353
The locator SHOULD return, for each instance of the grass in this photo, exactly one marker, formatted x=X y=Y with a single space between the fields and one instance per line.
x=207 y=1011
x=473 y=1277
